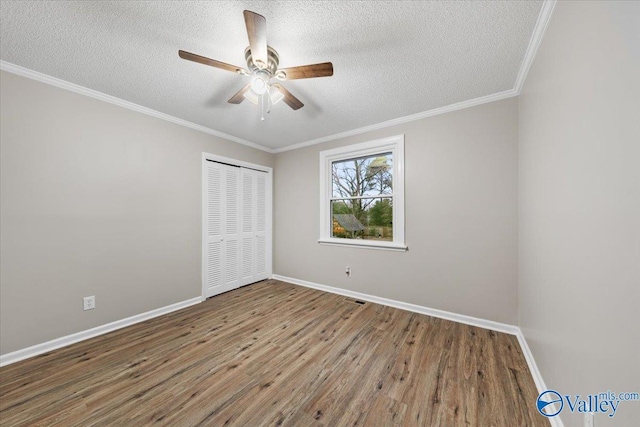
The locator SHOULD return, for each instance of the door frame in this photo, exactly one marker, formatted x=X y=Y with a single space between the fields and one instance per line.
x=269 y=213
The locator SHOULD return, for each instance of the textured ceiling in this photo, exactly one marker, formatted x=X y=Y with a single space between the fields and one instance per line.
x=391 y=59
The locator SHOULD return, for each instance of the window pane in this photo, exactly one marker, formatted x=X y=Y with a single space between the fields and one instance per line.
x=368 y=219
x=363 y=176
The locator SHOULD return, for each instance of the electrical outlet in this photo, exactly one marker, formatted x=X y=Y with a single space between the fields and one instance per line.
x=89 y=303
x=589 y=421
x=347 y=271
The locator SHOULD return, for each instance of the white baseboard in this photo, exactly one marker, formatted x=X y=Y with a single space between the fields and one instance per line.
x=25 y=353
x=16 y=356
x=460 y=318
x=455 y=317
x=535 y=373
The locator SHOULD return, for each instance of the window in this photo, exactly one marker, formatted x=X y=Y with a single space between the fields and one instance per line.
x=362 y=195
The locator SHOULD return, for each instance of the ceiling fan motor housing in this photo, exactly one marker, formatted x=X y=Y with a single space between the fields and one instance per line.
x=272 y=61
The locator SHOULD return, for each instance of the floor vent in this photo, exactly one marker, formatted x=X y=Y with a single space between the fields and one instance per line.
x=355 y=301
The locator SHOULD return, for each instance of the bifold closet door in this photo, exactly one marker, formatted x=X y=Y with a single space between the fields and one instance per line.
x=254 y=226
x=222 y=228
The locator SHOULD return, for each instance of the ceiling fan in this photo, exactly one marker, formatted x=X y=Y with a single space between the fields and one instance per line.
x=262 y=65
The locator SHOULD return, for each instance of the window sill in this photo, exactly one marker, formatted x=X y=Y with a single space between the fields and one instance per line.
x=363 y=244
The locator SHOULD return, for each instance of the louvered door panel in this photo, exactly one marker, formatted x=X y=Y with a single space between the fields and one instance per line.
x=248 y=226
x=214 y=201
x=260 y=271
x=232 y=228
x=215 y=278
x=232 y=267
x=261 y=258
x=232 y=211
x=237 y=222
x=261 y=202
x=254 y=226
x=247 y=201
x=214 y=259
x=247 y=258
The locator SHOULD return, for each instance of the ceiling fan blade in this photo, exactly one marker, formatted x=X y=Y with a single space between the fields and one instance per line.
x=239 y=96
x=257 y=32
x=324 y=69
x=289 y=99
x=211 y=62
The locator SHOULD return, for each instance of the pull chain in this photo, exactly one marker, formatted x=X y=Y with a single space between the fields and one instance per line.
x=268 y=102
x=262 y=107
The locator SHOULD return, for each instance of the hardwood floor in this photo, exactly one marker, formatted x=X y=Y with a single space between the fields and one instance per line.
x=278 y=354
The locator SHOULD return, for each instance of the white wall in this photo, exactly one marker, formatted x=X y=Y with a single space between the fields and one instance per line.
x=461 y=217
x=96 y=200
x=579 y=232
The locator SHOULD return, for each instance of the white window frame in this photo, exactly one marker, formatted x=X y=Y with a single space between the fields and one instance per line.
x=393 y=144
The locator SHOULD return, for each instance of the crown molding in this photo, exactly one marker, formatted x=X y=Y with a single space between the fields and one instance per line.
x=534 y=43
x=63 y=84
x=536 y=38
x=429 y=113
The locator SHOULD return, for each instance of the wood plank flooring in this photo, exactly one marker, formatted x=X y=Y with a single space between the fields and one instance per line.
x=277 y=354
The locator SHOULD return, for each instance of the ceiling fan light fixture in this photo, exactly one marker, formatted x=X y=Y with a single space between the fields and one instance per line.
x=260 y=82
x=275 y=95
x=252 y=97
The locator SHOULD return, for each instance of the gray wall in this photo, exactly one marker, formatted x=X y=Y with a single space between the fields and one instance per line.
x=579 y=232
x=96 y=200
x=461 y=217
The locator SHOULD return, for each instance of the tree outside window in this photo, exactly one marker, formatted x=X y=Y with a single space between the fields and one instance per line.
x=362 y=197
